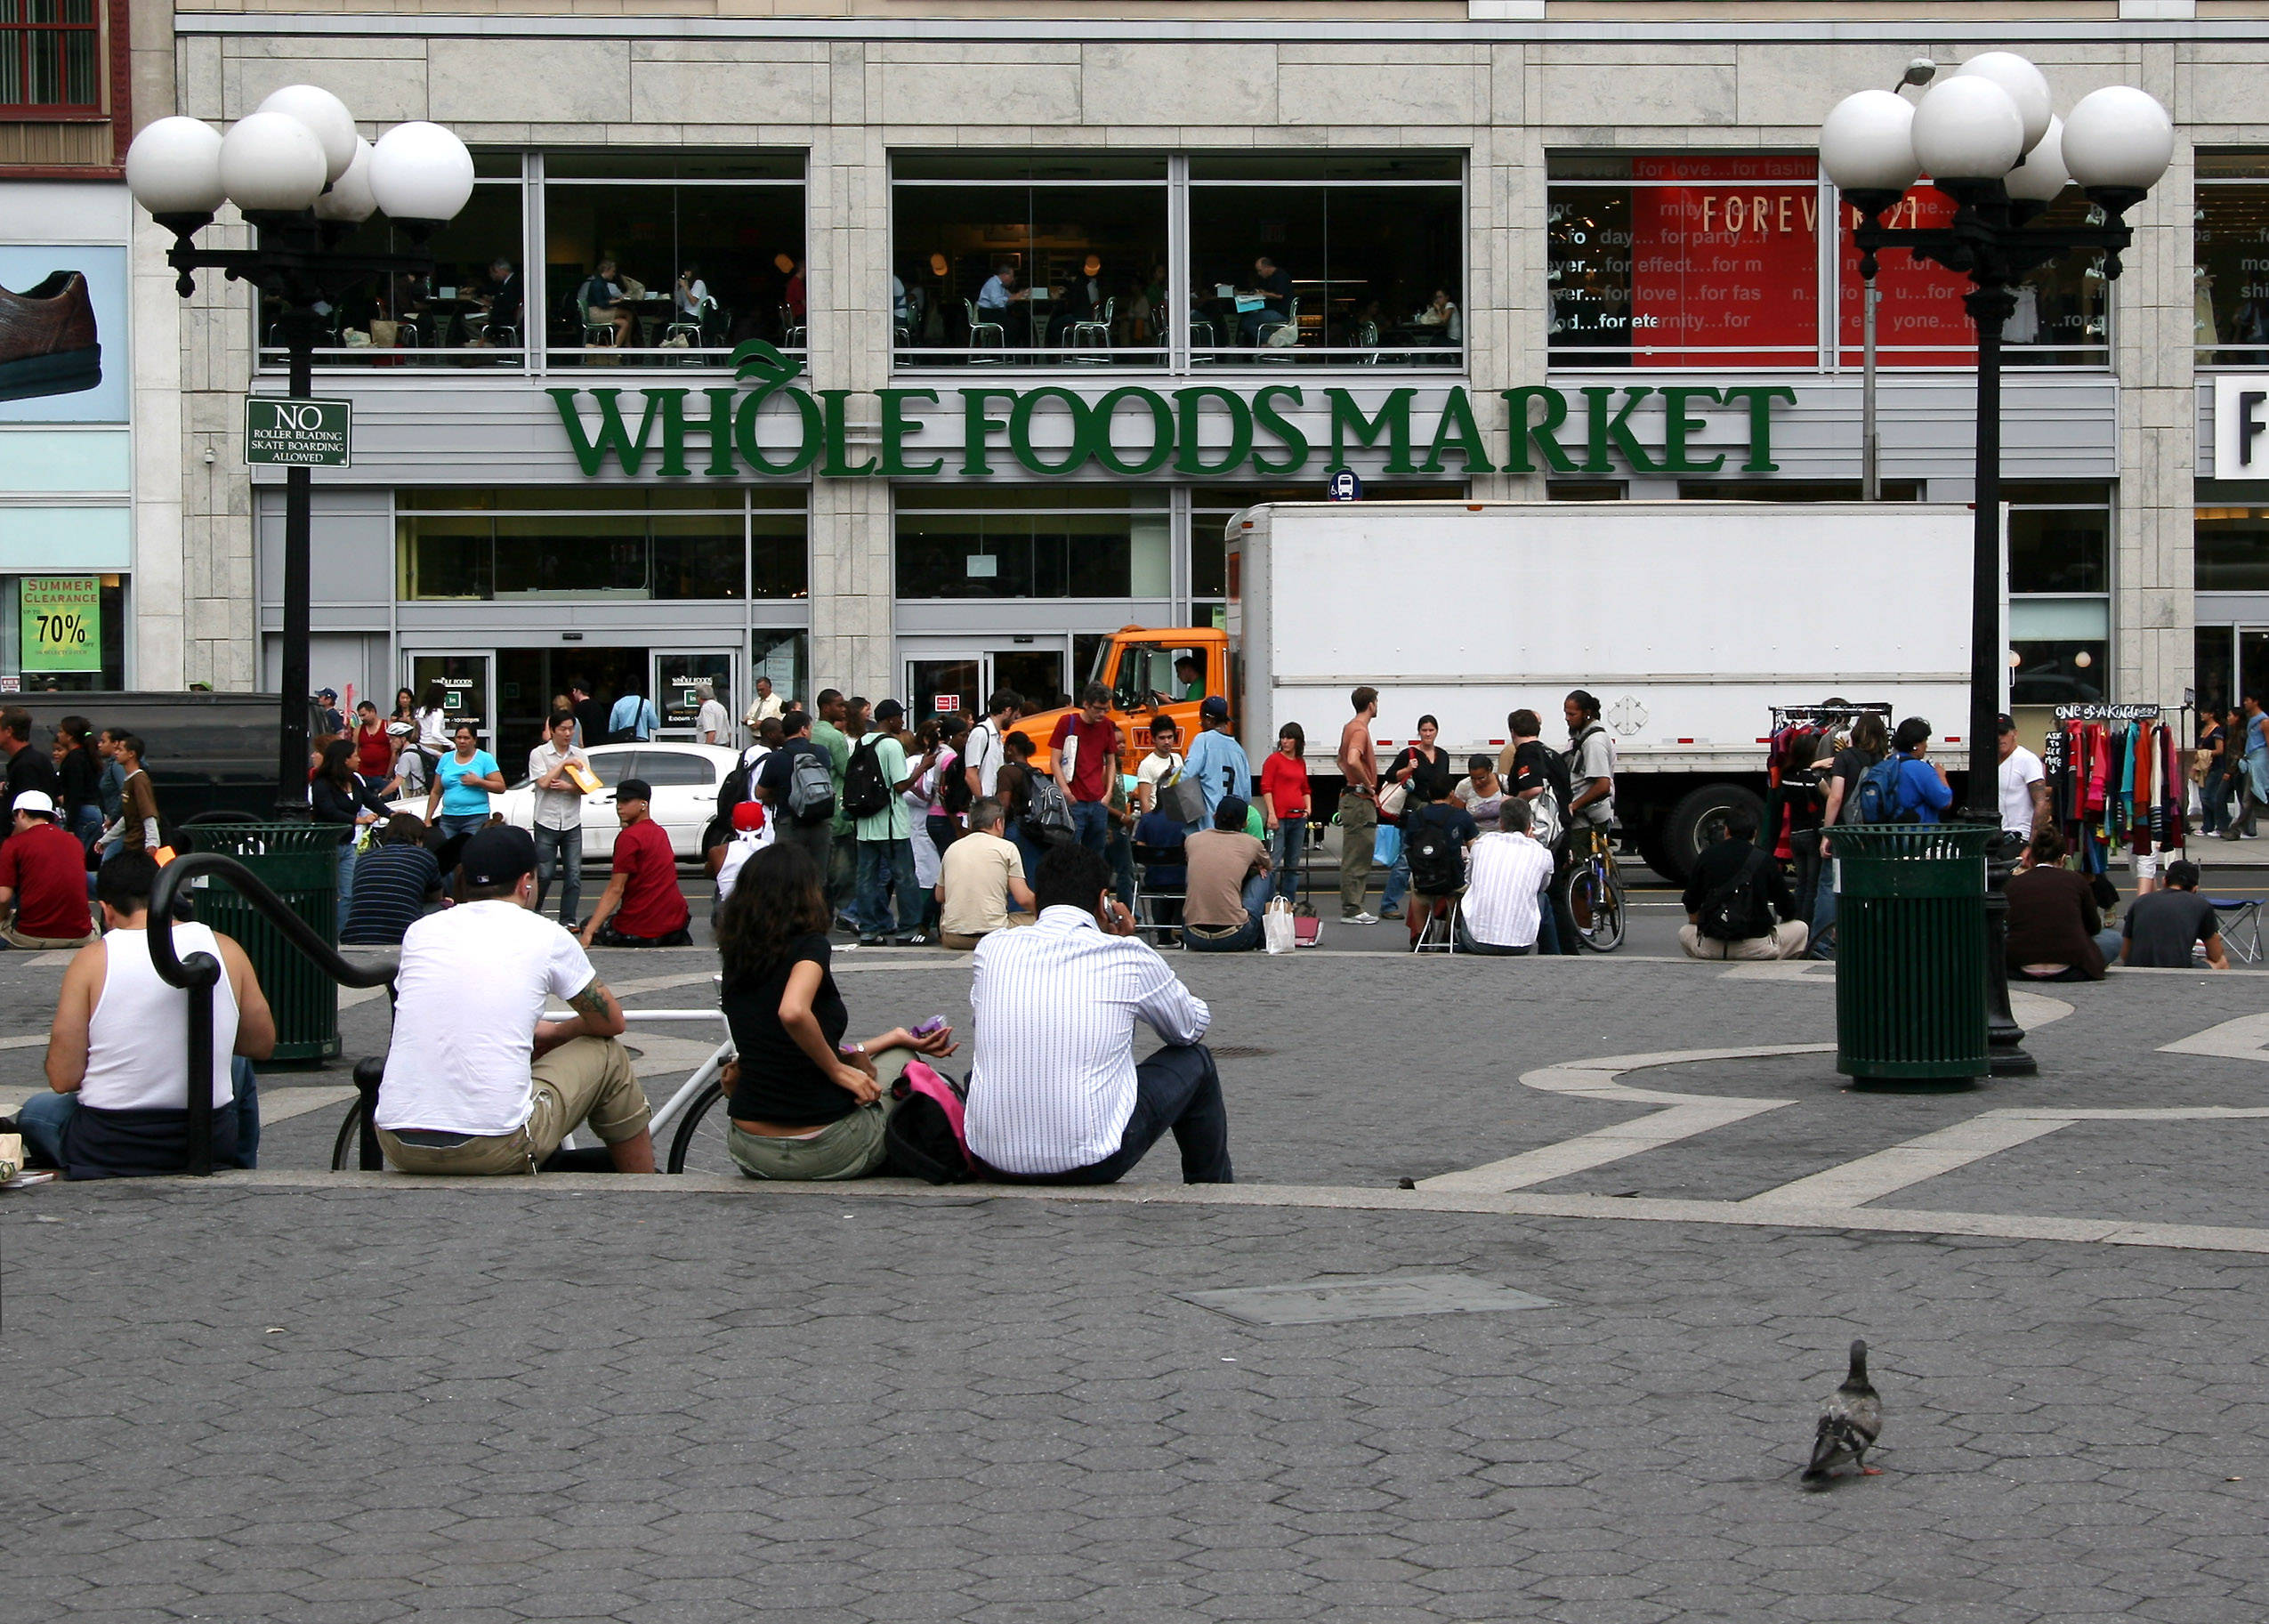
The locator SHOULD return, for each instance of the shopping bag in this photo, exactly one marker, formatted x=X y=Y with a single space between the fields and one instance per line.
x=1386 y=845
x=1307 y=930
x=1276 y=927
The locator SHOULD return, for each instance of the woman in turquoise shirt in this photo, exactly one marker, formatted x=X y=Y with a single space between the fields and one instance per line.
x=463 y=784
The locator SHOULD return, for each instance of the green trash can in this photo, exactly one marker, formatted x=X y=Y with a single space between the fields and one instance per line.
x=1911 y=949
x=300 y=863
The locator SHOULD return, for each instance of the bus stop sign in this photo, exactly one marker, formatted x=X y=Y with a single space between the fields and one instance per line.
x=1346 y=485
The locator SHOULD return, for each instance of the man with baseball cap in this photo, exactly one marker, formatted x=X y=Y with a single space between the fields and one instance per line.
x=477 y=1080
x=43 y=876
x=643 y=907
x=1216 y=761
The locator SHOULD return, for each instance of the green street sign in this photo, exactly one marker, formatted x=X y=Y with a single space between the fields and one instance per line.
x=297 y=434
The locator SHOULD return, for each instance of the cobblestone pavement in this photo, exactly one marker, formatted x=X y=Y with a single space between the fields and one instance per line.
x=309 y=1398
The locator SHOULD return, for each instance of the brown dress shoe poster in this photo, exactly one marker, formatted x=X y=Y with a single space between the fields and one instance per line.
x=60 y=308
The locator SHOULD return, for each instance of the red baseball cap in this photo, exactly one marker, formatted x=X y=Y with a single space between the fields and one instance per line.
x=748 y=817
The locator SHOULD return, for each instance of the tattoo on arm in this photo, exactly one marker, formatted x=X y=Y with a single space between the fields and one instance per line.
x=593 y=1002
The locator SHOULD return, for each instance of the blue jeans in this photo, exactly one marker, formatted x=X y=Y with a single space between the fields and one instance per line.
x=1175 y=1090
x=882 y=864
x=1823 y=920
x=559 y=852
x=1398 y=883
x=1247 y=936
x=460 y=823
x=45 y=1117
x=1290 y=839
x=1091 y=826
x=1028 y=848
x=1547 y=922
x=1120 y=850
x=347 y=855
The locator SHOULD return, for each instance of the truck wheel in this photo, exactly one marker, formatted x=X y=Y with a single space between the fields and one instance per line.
x=1695 y=821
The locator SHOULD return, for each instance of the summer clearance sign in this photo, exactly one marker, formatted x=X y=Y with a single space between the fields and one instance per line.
x=769 y=426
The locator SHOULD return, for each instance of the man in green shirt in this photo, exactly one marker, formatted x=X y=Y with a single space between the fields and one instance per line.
x=843 y=860
x=885 y=848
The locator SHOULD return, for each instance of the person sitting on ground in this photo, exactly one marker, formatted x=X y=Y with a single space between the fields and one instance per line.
x=118 y=1105
x=1735 y=897
x=1437 y=871
x=1506 y=873
x=1056 y=1096
x=477 y=1082
x=2161 y=928
x=802 y=1103
x=643 y=907
x=43 y=879
x=979 y=878
x=1228 y=884
x=2056 y=929
x=752 y=832
x=393 y=881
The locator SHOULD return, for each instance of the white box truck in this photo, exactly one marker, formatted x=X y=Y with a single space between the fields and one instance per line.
x=1689 y=621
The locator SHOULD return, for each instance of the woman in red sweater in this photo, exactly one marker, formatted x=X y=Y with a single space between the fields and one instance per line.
x=1284 y=805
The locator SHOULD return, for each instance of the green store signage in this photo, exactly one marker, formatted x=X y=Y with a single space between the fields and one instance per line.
x=773 y=429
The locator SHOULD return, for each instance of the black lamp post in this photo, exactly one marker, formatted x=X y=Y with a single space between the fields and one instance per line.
x=1989 y=142
x=304 y=180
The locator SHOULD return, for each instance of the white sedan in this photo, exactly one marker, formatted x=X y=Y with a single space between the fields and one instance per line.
x=684 y=779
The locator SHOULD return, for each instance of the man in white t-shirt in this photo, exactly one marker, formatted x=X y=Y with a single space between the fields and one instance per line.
x=1162 y=765
x=1506 y=873
x=2025 y=787
x=986 y=748
x=711 y=723
x=477 y=1080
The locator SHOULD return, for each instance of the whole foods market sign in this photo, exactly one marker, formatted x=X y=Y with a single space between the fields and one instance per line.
x=771 y=427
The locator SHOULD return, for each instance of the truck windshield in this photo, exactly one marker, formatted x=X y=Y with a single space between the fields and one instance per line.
x=1147 y=671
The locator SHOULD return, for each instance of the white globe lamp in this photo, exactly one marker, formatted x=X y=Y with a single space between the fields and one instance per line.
x=1867 y=143
x=420 y=171
x=2118 y=139
x=1968 y=129
x=350 y=197
x=2024 y=85
x=324 y=114
x=2042 y=175
x=271 y=162
x=173 y=168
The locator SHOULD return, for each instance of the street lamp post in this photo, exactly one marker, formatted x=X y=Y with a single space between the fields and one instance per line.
x=303 y=178
x=1988 y=140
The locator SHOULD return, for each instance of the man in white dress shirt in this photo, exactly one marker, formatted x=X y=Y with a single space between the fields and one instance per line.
x=1503 y=906
x=1056 y=1096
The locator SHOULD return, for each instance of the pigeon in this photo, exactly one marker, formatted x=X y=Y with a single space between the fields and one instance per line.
x=1850 y=1422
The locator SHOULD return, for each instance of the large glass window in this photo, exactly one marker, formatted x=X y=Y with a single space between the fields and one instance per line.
x=2230 y=270
x=2060 y=582
x=51 y=53
x=2232 y=549
x=1104 y=543
x=1337 y=259
x=1028 y=259
x=482 y=544
x=672 y=255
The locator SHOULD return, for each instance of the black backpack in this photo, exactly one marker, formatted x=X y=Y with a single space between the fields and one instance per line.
x=918 y=1139
x=1735 y=910
x=864 y=792
x=1437 y=861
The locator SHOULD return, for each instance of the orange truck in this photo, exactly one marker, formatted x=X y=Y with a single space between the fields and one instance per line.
x=1147 y=671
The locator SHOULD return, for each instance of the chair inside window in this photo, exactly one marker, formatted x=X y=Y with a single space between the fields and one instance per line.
x=1366 y=339
x=596 y=335
x=793 y=331
x=985 y=334
x=1204 y=338
x=1094 y=333
x=1271 y=326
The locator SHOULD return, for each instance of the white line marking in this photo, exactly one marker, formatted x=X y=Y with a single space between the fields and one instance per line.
x=2247 y=1038
x=282 y=1104
x=1868 y=1178
x=36 y=1040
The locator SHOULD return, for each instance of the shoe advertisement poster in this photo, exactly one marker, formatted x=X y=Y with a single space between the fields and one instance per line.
x=64 y=334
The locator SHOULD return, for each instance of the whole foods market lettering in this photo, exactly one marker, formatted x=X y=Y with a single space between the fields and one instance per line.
x=769 y=426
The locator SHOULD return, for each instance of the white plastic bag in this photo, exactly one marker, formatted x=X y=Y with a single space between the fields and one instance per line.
x=1276 y=925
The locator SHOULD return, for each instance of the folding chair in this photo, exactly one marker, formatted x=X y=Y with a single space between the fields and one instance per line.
x=1439 y=934
x=2239 y=919
x=1158 y=910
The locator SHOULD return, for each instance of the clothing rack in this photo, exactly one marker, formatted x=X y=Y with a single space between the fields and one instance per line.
x=2118 y=780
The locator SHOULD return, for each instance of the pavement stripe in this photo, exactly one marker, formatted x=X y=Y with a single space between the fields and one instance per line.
x=2247 y=1038
x=1869 y=1178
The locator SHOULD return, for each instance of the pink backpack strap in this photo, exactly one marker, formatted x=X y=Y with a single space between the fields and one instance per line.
x=924 y=1080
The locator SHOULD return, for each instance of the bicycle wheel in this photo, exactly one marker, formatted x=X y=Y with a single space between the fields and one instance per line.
x=698 y=1145
x=346 y=1149
x=1594 y=893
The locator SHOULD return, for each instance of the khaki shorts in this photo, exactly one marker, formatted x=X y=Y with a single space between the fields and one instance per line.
x=17 y=939
x=585 y=1079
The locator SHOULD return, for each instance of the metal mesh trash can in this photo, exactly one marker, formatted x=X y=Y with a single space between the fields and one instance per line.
x=300 y=863
x=1911 y=949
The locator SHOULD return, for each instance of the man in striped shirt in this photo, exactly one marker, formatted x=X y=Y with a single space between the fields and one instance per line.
x=1056 y=1096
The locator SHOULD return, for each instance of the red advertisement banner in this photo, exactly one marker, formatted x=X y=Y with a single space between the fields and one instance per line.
x=1725 y=269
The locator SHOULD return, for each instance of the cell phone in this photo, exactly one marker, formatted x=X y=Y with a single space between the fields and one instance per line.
x=935 y=1023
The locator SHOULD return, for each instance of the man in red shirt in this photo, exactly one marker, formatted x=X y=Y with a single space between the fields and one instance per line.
x=43 y=874
x=1095 y=763
x=642 y=907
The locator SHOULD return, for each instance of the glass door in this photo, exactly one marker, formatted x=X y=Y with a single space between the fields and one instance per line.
x=467 y=686
x=944 y=680
x=678 y=682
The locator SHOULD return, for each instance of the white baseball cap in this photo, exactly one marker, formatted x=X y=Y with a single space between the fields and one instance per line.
x=37 y=801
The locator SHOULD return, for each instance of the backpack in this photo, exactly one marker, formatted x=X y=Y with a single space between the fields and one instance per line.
x=953 y=787
x=1735 y=911
x=864 y=792
x=1876 y=799
x=1437 y=862
x=923 y=1137
x=1048 y=815
x=811 y=789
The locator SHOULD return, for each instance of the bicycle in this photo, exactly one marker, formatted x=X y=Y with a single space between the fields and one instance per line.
x=1592 y=891
x=699 y=1140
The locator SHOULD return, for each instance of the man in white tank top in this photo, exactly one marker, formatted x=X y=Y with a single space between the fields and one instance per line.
x=116 y=1052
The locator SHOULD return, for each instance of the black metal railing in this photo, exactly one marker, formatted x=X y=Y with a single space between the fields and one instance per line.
x=198 y=973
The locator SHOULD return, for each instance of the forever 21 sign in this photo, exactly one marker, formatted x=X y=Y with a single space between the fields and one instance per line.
x=773 y=428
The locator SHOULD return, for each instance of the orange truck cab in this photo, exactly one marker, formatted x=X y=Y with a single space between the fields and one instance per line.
x=1148 y=671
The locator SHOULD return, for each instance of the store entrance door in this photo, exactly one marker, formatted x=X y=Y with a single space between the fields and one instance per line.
x=467 y=683
x=677 y=691
x=946 y=680
x=528 y=680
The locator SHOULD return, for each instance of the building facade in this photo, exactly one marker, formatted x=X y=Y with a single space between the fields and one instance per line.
x=911 y=352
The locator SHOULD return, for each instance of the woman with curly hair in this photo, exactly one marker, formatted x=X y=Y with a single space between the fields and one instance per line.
x=804 y=1104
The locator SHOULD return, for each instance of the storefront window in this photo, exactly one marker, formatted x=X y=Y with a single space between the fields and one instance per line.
x=673 y=255
x=2232 y=549
x=1033 y=260
x=50 y=56
x=2060 y=579
x=63 y=633
x=1684 y=261
x=1037 y=544
x=524 y=544
x=2230 y=250
x=1327 y=258
x=468 y=313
